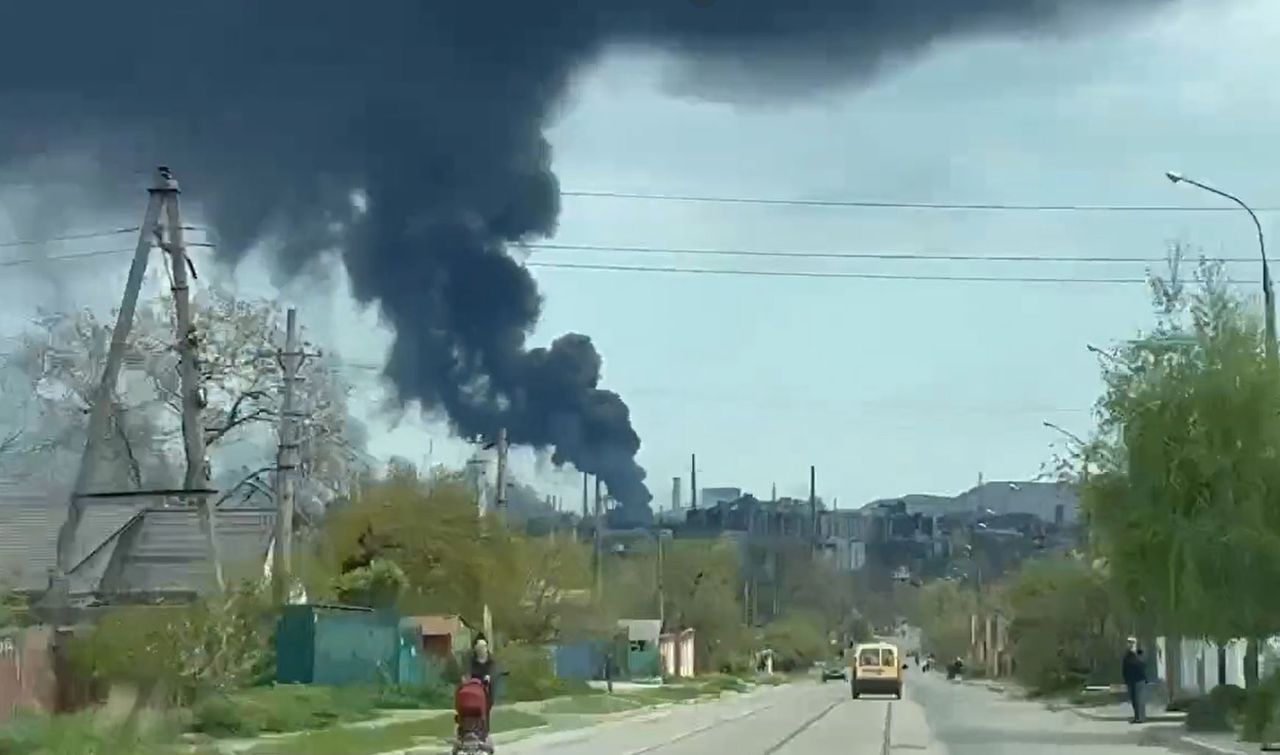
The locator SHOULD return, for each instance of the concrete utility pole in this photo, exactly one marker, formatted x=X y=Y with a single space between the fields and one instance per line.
x=193 y=396
x=813 y=503
x=100 y=405
x=287 y=461
x=585 y=512
x=598 y=550
x=500 y=498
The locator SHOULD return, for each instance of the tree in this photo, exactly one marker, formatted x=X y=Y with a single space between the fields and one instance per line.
x=943 y=612
x=1180 y=483
x=429 y=528
x=54 y=370
x=453 y=561
x=1066 y=625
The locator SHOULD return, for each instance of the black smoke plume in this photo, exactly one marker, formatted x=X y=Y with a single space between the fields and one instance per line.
x=273 y=111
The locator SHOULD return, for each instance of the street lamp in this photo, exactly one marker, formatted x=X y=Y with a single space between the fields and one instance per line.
x=1070 y=435
x=1268 y=294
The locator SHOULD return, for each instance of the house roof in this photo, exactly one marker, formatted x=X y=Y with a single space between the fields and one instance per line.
x=167 y=552
x=437 y=625
x=29 y=525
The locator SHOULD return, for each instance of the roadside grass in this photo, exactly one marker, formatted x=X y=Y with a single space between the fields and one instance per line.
x=288 y=708
x=90 y=732
x=593 y=705
x=281 y=709
x=368 y=740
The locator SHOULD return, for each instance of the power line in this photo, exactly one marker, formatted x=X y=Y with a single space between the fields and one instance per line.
x=911 y=256
x=86 y=235
x=855 y=276
x=818 y=274
x=81 y=255
x=880 y=204
x=69 y=237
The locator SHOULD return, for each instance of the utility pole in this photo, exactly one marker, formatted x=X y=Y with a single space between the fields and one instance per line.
x=287 y=461
x=662 y=593
x=585 y=512
x=193 y=396
x=101 y=404
x=500 y=499
x=598 y=551
x=813 y=504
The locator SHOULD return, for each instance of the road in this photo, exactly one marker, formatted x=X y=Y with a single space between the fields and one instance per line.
x=936 y=718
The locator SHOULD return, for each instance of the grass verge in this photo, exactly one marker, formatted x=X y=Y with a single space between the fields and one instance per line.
x=376 y=739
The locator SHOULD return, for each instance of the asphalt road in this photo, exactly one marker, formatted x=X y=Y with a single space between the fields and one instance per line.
x=936 y=718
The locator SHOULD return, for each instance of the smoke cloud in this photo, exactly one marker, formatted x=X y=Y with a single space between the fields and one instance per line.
x=272 y=113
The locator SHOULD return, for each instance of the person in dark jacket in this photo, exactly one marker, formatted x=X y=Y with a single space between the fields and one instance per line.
x=481 y=666
x=1134 y=673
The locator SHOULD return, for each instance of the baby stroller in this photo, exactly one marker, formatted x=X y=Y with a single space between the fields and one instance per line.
x=471 y=713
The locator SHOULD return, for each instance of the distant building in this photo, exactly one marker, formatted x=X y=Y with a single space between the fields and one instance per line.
x=713 y=496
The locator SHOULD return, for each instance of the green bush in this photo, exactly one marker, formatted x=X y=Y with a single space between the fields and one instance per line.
x=717 y=683
x=279 y=709
x=90 y=732
x=797 y=641
x=530 y=675
x=1259 y=717
x=1209 y=713
x=177 y=654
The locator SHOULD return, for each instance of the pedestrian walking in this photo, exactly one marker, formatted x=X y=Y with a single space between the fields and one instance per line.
x=1134 y=673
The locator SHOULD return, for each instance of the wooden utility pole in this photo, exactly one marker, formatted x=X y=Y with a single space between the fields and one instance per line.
x=193 y=396
x=500 y=499
x=290 y=359
x=101 y=403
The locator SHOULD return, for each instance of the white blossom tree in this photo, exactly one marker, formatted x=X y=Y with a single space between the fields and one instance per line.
x=51 y=374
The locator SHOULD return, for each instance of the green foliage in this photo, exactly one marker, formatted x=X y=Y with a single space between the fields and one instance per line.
x=717 y=683
x=1217 y=710
x=943 y=611
x=438 y=695
x=797 y=641
x=531 y=675
x=422 y=544
x=1066 y=626
x=1180 y=483
x=177 y=653
x=1260 y=719
x=110 y=731
x=278 y=709
x=389 y=738
x=378 y=585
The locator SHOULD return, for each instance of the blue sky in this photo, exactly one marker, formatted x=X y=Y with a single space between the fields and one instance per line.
x=887 y=386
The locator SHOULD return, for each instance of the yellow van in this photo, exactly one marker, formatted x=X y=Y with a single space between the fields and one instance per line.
x=876 y=669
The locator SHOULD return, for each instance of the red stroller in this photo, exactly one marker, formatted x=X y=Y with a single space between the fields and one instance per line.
x=471 y=713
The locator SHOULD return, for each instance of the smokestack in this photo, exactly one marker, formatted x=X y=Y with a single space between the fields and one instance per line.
x=693 y=481
x=585 y=512
x=676 y=490
x=813 y=501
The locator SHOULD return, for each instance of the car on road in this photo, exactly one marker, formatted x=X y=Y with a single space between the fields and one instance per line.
x=877 y=670
x=832 y=670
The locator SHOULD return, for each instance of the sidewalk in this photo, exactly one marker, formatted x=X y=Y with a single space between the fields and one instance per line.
x=1163 y=728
